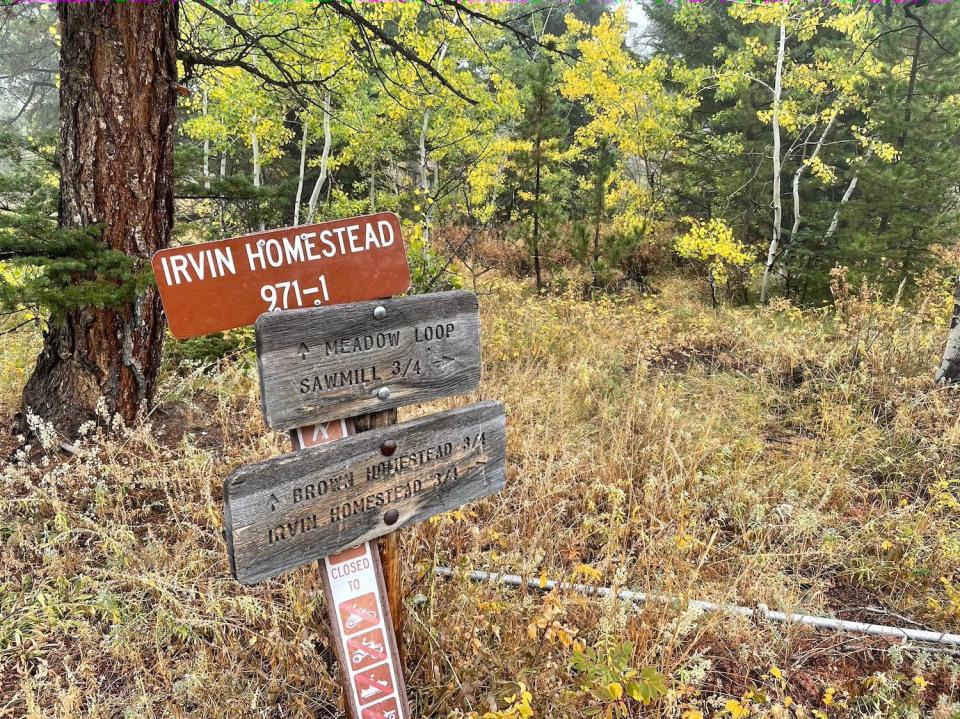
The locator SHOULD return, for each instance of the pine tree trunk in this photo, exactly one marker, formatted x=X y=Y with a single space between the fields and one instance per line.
x=117 y=94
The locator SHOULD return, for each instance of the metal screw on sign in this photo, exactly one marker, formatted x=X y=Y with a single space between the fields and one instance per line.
x=391 y=517
x=383 y=393
x=388 y=448
x=380 y=312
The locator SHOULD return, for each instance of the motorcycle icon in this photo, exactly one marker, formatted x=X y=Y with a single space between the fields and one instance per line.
x=376 y=651
x=360 y=614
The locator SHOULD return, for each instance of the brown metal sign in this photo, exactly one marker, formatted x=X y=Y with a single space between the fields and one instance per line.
x=300 y=507
x=363 y=634
x=220 y=285
x=320 y=364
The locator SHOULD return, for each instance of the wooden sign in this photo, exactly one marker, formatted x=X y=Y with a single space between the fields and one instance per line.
x=220 y=285
x=320 y=364
x=315 y=502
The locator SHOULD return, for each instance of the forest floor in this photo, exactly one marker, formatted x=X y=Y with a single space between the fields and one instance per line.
x=801 y=460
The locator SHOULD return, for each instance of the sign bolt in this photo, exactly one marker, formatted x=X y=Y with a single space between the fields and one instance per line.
x=388 y=447
x=391 y=517
x=380 y=312
x=383 y=393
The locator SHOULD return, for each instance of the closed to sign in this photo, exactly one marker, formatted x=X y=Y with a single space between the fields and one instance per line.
x=374 y=687
x=217 y=286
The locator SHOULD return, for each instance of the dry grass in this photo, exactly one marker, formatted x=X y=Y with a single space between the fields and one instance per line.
x=798 y=459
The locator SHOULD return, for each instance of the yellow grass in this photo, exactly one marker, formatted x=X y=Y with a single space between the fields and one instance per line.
x=801 y=460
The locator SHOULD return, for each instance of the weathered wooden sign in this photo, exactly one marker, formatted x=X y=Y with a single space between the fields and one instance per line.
x=315 y=502
x=220 y=285
x=320 y=364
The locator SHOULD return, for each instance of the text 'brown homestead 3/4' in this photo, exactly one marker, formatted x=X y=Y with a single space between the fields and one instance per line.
x=303 y=506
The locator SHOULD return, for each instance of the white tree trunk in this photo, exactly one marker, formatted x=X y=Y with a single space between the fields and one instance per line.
x=206 y=149
x=424 y=176
x=324 y=160
x=844 y=200
x=223 y=202
x=256 y=164
x=949 y=371
x=777 y=204
x=799 y=173
x=303 y=167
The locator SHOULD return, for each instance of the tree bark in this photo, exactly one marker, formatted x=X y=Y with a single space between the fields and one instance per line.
x=424 y=177
x=117 y=95
x=797 y=217
x=538 y=161
x=598 y=221
x=223 y=201
x=848 y=193
x=255 y=141
x=206 y=149
x=428 y=201
x=907 y=112
x=777 y=204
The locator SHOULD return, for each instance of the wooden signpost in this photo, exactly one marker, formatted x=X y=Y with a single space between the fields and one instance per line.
x=317 y=365
x=320 y=368
x=360 y=611
x=300 y=507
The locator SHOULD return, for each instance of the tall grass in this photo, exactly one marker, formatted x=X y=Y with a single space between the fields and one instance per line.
x=800 y=459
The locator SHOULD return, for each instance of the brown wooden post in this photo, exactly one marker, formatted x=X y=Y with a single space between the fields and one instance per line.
x=390 y=559
x=390 y=544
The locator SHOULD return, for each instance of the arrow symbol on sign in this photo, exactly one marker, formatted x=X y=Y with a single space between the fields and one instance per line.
x=443 y=361
x=304 y=350
x=273 y=502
